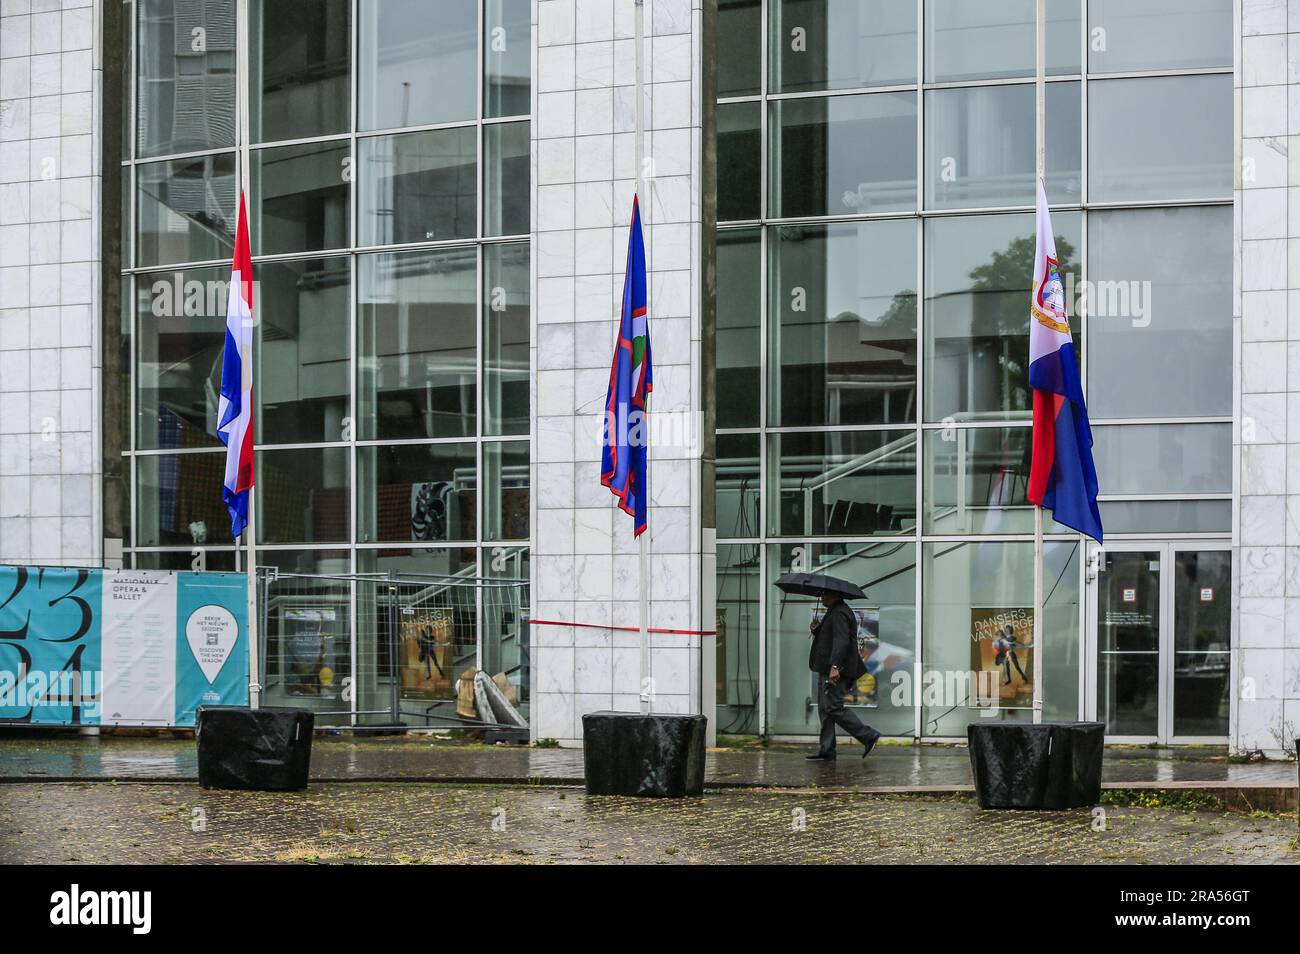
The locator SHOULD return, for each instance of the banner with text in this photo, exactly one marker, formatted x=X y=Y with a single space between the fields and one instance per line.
x=120 y=647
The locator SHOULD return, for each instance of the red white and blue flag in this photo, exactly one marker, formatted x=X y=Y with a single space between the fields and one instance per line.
x=235 y=408
x=624 y=455
x=1062 y=477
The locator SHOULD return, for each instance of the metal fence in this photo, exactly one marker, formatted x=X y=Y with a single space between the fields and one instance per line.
x=384 y=649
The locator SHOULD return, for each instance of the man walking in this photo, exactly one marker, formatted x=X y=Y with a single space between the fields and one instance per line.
x=834 y=657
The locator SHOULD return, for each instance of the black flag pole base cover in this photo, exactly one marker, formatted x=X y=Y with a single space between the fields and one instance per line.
x=263 y=750
x=631 y=753
x=1053 y=765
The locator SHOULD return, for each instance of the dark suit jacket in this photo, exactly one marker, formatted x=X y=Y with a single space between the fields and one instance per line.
x=835 y=643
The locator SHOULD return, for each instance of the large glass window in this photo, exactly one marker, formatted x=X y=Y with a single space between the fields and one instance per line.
x=842 y=483
x=843 y=347
x=996 y=39
x=388 y=159
x=844 y=155
x=186 y=210
x=301 y=63
x=886 y=570
x=180 y=333
x=417 y=492
x=739 y=323
x=1159 y=312
x=979 y=644
x=839 y=44
x=1160 y=137
x=979 y=144
x=1130 y=35
x=829 y=464
x=418 y=187
x=303 y=193
x=740 y=158
x=418 y=62
x=304 y=385
x=505 y=339
x=417 y=347
x=185 y=76
x=976 y=311
x=507 y=57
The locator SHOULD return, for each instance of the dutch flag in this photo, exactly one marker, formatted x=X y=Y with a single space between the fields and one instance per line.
x=235 y=408
x=1062 y=477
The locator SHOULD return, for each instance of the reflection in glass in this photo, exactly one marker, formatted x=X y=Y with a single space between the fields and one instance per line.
x=1166 y=516
x=886 y=570
x=303 y=198
x=739 y=161
x=737 y=486
x=417 y=492
x=185 y=82
x=185 y=210
x=977 y=329
x=213 y=561
x=446 y=617
x=843 y=483
x=1128 y=640
x=844 y=155
x=178 y=500
x=417 y=187
x=740 y=41
x=505 y=339
x=507 y=48
x=181 y=331
x=842 y=44
x=417 y=348
x=505 y=626
x=979 y=146
x=1160 y=137
x=1164 y=458
x=505 y=504
x=301 y=63
x=739 y=339
x=1202 y=641
x=1159 y=35
x=843 y=348
x=505 y=179
x=1159 y=312
x=302 y=351
x=977 y=479
x=418 y=62
x=306 y=637
x=302 y=495
x=973 y=592
x=736 y=644
x=996 y=39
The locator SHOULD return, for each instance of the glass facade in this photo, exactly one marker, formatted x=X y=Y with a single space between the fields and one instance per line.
x=387 y=163
x=875 y=242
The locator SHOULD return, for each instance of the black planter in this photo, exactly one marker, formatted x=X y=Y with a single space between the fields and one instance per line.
x=261 y=750
x=656 y=756
x=1053 y=765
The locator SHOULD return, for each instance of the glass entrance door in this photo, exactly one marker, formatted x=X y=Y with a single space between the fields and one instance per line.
x=1159 y=628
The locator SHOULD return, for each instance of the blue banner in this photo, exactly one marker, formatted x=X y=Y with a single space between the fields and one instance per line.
x=120 y=647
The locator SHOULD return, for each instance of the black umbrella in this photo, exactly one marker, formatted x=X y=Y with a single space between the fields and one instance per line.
x=818 y=584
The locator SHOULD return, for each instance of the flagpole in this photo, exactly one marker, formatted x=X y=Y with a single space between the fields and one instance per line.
x=249 y=537
x=1040 y=163
x=643 y=541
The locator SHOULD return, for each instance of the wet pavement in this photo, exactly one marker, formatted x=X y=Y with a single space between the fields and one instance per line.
x=890 y=768
x=422 y=823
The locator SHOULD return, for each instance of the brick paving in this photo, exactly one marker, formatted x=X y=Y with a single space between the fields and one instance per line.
x=422 y=823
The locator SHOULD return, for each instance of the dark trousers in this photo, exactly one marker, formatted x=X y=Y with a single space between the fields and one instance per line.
x=830 y=706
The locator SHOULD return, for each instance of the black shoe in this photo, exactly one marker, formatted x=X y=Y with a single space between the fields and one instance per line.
x=819 y=757
x=869 y=745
